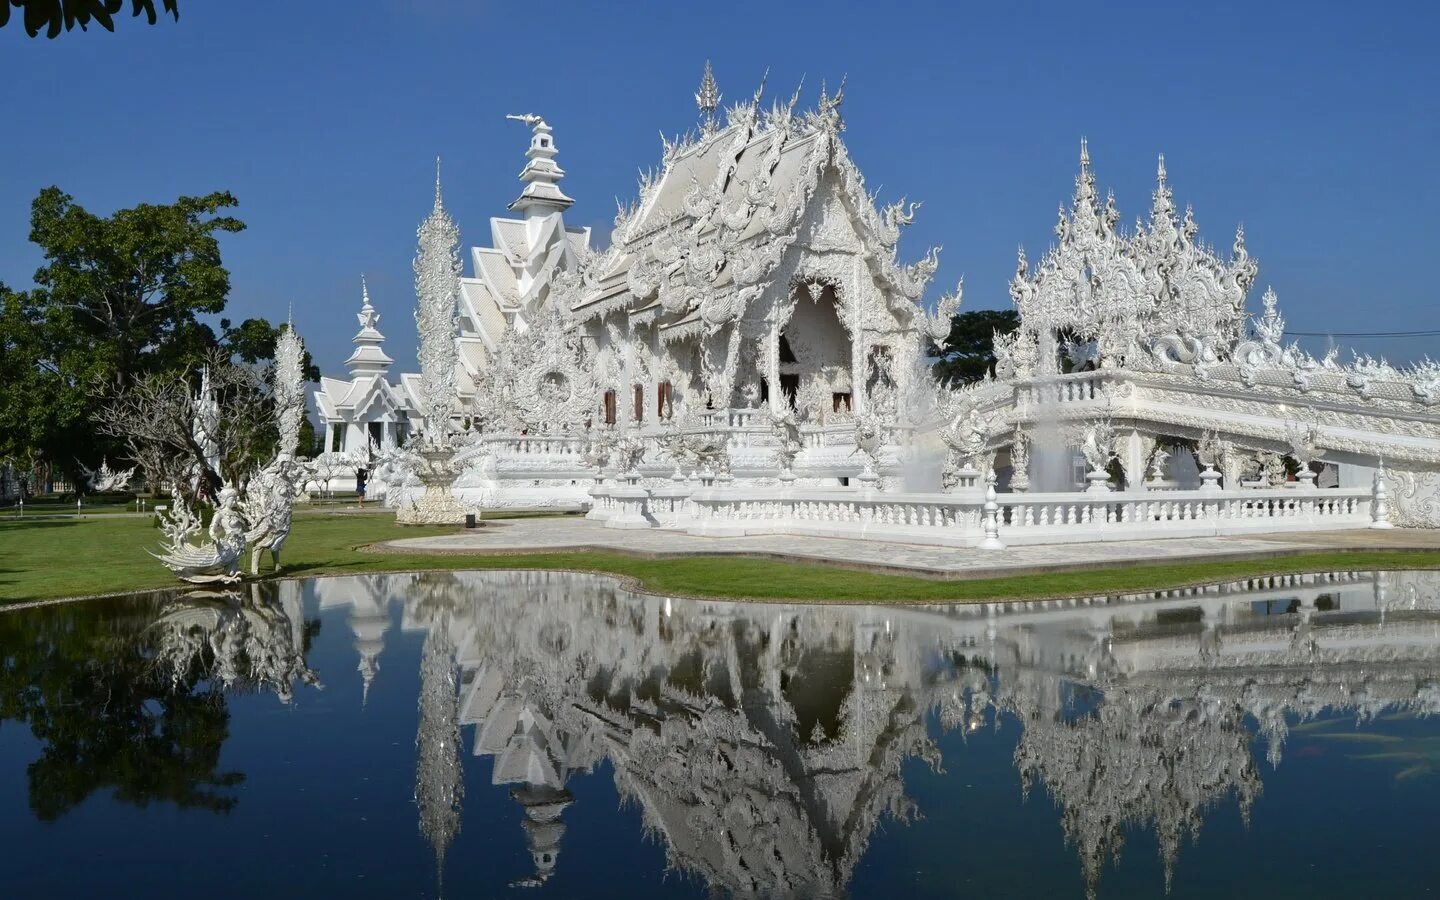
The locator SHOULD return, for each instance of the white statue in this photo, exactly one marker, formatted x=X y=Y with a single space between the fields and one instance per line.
x=104 y=479
x=1157 y=463
x=869 y=440
x=788 y=441
x=269 y=507
x=270 y=495
x=217 y=560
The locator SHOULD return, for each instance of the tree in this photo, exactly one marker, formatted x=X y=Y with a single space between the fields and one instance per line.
x=968 y=352
x=120 y=298
x=127 y=290
x=57 y=15
x=195 y=437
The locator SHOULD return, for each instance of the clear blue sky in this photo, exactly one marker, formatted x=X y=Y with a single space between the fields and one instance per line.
x=1314 y=123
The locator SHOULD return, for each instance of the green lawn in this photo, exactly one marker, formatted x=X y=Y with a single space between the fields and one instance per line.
x=67 y=558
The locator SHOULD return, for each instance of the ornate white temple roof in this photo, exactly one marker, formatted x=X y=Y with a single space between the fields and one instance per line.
x=511 y=279
x=707 y=233
x=367 y=394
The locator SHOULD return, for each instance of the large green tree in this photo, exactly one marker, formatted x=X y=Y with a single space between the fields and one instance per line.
x=55 y=16
x=968 y=351
x=120 y=298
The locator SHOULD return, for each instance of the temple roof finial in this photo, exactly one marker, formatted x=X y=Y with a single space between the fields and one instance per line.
x=1160 y=170
x=1084 y=153
x=708 y=97
x=369 y=357
x=439 y=203
x=542 y=195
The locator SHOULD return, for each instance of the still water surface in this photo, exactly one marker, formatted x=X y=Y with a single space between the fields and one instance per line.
x=552 y=735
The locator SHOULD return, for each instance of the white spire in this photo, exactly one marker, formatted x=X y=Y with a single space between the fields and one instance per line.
x=708 y=99
x=368 y=357
x=542 y=194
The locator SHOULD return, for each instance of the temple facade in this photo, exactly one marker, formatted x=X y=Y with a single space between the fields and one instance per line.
x=752 y=329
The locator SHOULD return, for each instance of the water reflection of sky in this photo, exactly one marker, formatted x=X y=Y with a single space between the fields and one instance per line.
x=551 y=732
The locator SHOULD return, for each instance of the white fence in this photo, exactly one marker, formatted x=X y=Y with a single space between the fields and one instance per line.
x=956 y=520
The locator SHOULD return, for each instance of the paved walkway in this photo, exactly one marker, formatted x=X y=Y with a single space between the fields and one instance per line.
x=569 y=534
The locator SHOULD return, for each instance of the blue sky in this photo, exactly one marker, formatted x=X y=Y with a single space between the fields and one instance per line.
x=1315 y=124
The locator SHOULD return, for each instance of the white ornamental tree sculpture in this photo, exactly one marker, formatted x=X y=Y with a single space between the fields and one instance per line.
x=437 y=285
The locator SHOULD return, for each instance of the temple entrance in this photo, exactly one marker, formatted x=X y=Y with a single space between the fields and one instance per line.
x=814 y=351
x=789 y=387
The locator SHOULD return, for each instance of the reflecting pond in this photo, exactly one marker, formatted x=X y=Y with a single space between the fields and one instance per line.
x=549 y=734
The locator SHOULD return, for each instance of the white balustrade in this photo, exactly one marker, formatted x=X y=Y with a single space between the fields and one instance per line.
x=951 y=520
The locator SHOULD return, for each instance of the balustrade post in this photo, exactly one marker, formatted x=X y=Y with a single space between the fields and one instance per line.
x=991 y=540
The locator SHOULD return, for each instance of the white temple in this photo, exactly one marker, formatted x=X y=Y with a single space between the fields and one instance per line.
x=748 y=355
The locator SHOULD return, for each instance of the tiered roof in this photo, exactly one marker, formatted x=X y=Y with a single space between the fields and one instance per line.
x=705 y=236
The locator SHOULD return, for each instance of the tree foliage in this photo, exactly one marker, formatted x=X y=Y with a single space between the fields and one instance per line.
x=120 y=298
x=968 y=352
x=55 y=16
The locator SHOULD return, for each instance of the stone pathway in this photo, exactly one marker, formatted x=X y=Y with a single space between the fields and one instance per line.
x=569 y=534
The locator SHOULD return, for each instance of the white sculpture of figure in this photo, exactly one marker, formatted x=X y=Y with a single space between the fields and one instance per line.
x=270 y=496
x=1096 y=441
x=1209 y=453
x=967 y=438
x=788 y=442
x=1020 y=461
x=628 y=452
x=869 y=439
x=1157 y=463
x=269 y=508
x=814 y=399
x=437 y=284
x=1271 y=468
x=1304 y=441
x=206 y=431
x=217 y=560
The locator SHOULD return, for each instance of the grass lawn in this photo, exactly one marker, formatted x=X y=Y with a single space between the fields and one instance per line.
x=67 y=558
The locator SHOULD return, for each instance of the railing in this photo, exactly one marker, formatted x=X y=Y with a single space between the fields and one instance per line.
x=1123 y=516
x=957 y=519
x=535 y=445
x=1076 y=387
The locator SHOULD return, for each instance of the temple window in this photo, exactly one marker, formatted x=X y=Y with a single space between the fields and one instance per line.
x=664 y=400
x=639 y=402
x=840 y=400
x=611 y=402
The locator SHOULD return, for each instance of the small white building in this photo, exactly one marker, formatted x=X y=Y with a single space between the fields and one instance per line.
x=366 y=410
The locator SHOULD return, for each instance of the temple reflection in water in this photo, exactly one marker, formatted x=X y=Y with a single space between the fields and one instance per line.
x=763 y=744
